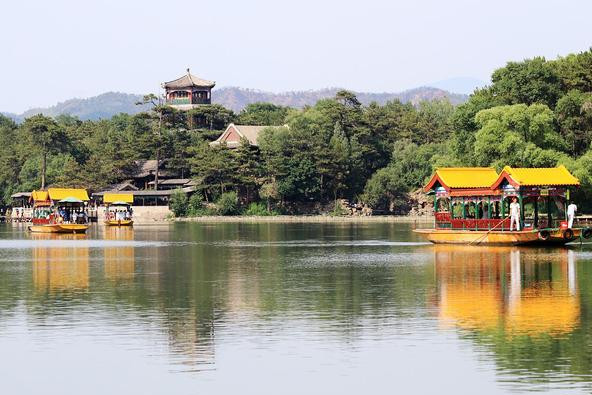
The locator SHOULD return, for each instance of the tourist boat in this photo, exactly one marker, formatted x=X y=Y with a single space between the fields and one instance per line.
x=471 y=206
x=118 y=210
x=59 y=210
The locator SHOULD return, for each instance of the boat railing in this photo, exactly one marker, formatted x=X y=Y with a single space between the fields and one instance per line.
x=474 y=224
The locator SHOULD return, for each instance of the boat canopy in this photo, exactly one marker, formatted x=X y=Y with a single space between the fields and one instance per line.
x=118 y=198
x=40 y=196
x=485 y=181
x=536 y=177
x=63 y=193
x=463 y=177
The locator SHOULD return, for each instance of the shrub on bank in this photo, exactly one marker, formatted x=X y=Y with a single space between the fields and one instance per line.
x=196 y=206
x=338 y=210
x=179 y=203
x=258 y=209
x=227 y=204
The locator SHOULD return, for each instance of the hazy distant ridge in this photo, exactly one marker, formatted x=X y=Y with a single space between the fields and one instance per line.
x=238 y=98
x=111 y=103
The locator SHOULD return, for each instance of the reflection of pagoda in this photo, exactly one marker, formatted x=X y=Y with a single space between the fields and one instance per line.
x=501 y=290
x=188 y=92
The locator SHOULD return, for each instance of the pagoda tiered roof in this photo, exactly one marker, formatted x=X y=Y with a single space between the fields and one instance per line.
x=188 y=81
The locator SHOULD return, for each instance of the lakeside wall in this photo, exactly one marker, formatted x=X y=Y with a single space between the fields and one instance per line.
x=143 y=214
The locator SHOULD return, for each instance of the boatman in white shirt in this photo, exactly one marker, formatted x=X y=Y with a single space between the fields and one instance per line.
x=515 y=214
x=571 y=214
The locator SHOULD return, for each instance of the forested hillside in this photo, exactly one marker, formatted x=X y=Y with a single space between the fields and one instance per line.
x=536 y=112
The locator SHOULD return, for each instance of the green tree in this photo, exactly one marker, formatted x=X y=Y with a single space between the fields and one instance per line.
x=434 y=123
x=179 y=203
x=530 y=81
x=264 y=114
x=214 y=168
x=508 y=135
x=211 y=117
x=11 y=157
x=575 y=71
x=574 y=114
x=385 y=190
x=464 y=124
x=288 y=157
x=46 y=137
x=248 y=169
x=340 y=155
x=227 y=203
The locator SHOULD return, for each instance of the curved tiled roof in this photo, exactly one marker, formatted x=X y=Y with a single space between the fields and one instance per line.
x=463 y=177
x=187 y=81
x=486 y=177
x=541 y=176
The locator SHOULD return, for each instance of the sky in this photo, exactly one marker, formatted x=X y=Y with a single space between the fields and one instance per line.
x=55 y=50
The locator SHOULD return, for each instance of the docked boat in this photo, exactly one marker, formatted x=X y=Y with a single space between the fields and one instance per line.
x=472 y=206
x=59 y=210
x=118 y=210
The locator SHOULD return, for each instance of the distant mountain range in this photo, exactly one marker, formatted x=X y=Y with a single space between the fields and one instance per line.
x=111 y=103
x=464 y=85
x=237 y=98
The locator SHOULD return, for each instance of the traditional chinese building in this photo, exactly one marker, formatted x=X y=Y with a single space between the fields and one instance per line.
x=188 y=92
x=234 y=133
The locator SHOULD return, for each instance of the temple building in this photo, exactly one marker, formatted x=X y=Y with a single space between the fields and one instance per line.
x=188 y=92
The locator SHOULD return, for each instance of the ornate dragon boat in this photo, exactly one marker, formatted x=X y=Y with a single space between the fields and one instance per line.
x=471 y=206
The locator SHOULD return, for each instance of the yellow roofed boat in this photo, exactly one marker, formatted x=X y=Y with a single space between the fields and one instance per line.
x=59 y=210
x=118 y=211
x=473 y=206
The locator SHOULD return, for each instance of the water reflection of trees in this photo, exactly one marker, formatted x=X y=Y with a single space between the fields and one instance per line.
x=228 y=275
x=233 y=274
x=528 y=306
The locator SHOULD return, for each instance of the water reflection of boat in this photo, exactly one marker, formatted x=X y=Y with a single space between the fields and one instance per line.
x=509 y=290
x=119 y=261
x=60 y=267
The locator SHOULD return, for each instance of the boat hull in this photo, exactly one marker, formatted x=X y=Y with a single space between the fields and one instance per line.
x=123 y=222
x=59 y=228
x=483 y=237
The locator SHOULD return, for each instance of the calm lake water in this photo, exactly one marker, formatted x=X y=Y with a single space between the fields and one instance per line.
x=289 y=309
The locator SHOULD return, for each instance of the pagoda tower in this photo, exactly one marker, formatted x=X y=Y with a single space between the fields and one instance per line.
x=188 y=91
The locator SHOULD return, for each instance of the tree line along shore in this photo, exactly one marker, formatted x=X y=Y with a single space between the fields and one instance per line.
x=535 y=113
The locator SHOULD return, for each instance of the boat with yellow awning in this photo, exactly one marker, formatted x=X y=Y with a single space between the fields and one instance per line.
x=118 y=210
x=59 y=210
x=471 y=206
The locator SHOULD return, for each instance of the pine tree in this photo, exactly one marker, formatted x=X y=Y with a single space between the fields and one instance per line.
x=248 y=169
x=340 y=153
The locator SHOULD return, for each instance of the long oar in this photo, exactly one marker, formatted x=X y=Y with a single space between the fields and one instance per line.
x=481 y=238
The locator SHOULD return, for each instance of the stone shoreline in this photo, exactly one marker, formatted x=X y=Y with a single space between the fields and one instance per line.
x=308 y=219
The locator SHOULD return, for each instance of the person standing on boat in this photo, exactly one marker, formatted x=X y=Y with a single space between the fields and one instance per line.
x=571 y=214
x=514 y=214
